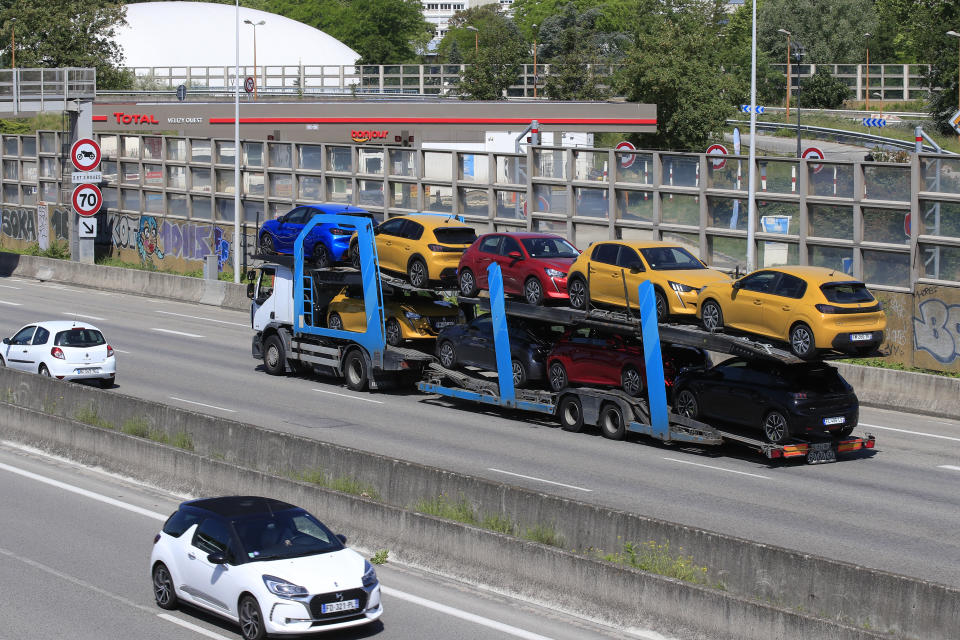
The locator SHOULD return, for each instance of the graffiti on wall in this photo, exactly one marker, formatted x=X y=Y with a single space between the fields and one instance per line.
x=156 y=239
x=21 y=224
x=937 y=330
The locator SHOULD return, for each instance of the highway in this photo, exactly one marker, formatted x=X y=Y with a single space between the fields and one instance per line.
x=896 y=509
x=74 y=561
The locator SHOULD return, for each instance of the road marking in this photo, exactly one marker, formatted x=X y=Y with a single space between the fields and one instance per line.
x=6 y=286
x=913 y=433
x=80 y=315
x=949 y=466
x=518 y=475
x=83 y=492
x=120 y=350
x=176 y=333
x=463 y=615
x=347 y=395
x=183 y=315
x=12 y=304
x=192 y=627
x=209 y=406
x=707 y=466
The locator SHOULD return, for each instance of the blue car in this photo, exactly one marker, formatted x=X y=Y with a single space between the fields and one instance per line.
x=326 y=243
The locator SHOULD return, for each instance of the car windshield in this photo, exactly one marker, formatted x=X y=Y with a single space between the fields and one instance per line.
x=670 y=259
x=287 y=534
x=549 y=248
x=815 y=378
x=79 y=337
x=846 y=292
x=455 y=235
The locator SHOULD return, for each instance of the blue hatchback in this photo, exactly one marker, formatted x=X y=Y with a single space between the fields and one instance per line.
x=326 y=243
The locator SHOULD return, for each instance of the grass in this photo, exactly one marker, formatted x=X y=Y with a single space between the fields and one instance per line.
x=88 y=415
x=380 y=557
x=463 y=511
x=883 y=364
x=225 y=275
x=343 y=484
x=140 y=428
x=658 y=559
x=58 y=250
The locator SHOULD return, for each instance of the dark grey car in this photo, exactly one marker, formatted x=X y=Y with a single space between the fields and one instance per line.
x=472 y=344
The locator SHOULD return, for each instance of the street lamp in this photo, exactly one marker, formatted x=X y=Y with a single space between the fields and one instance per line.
x=236 y=148
x=867 y=37
x=789 y=80
x=957 y=35
x=879 y=96
x=798 y=54
x=476 y=38
x=254 y=25
x=535 y=60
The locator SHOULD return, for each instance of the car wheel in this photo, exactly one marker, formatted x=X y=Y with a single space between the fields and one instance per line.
x=274 y=356
x=662 y=309
x=468 y=284
x=712 y=316
x=577 y=290
x=43 y=370
x=163 y=590
x=612 y=424
x=251 y=620
x=631 y=382
x=393 y=333
x=355 y=256
x=447 y=354
x=570 y=413
x=335 y=322
x=533 y=292
x=686 y=404
x=802 y=342
x=417 y=273
x=558 y=376
x=106 y=383
x=842 y=433
x=519 y=373
x=775 y=428
x=266 y=244
x=355 y=371
x=321 y=257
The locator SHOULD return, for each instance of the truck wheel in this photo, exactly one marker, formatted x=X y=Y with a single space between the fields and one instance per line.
x=577 y=290
x=775 y=428
x=355 y=371
x=570 y=413
x=417 y=273
x=394 y=334
x=274 y=356
x=468 y=284
x=612 y=424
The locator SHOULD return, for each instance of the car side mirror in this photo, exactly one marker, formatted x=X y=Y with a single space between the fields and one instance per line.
x=250 y=288
x=515 y=255
x=217 y=558
x=636 y=267
x=6 y=341
x=737 y=285
x=342 y=538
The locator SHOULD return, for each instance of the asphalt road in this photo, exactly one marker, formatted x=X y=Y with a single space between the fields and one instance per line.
x=897 y=508
x=74 y=563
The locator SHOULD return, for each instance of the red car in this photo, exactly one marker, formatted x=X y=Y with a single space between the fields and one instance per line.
x=587 y=356
x=534 y=265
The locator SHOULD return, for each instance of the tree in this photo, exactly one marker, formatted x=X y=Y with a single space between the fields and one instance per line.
x=822 y=91
x=930 y=21
x=614 y=16
x=735 y=52
x=831 y=31
x=68 y=33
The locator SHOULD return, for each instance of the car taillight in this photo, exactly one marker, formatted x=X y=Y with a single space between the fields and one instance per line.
x=826 y=308
x=57 y=352
x=337 y=231
x=439 y=248
x=109 y=351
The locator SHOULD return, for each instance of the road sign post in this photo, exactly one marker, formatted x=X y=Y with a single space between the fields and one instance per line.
x=813 y=153
x=720 y=151
x=249 y=84
x=626 y=159
x=85 y=157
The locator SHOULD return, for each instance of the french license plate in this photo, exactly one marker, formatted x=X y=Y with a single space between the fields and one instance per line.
x=835 y=420
x=345 y=605
x=443 y=323
x=89 y=370
x=821 y=452
x=860 y=337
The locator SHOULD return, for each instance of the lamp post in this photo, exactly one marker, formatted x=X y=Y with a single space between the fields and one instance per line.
x=476 y=38
x=798 y=53
x=752 y=174
x=879 y=96
x=867 y=36
x=534 y=60
x=254 y=25
x=957 y=35
x=236 y=152
x=789 y=80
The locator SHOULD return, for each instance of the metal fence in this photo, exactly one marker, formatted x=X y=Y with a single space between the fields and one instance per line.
x=38 y=90
x=892 y=225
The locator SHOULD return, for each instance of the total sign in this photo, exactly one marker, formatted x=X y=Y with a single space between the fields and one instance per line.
x=87 y=199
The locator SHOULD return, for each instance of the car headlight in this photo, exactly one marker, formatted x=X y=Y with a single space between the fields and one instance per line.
x=680 y=288
x=553 y=273
x=280 y=587
x=369 y=574
x=412 y=315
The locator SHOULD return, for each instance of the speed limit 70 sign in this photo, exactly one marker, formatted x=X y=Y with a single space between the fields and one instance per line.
x=87 y=199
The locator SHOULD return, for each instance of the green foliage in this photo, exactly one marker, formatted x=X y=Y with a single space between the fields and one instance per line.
x=380 y=557
x=829 y=31
x=822 y=91
x=182 y=440
x=615 y=16
x=494 y=52
x=441 y=507
x=500 y=524
x=89 y=415
x=343 y=484
x=544 y=535
x=58 y=250
x=657 y=558
x=886 y=364
x=734 y=54
x=138 y=427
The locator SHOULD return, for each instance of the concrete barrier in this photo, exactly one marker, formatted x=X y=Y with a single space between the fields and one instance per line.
x=900 y=606
x=904 y=390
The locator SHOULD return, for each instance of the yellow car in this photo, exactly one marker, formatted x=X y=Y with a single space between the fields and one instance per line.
x=610 y=270
x=408 y=315
x=810 y=307
x=425 y=247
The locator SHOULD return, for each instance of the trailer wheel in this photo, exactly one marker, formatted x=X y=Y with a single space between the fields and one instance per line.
x=612 y=424
x=775 y=428
x=274 y=356
x=355 y=371
x=570 y=413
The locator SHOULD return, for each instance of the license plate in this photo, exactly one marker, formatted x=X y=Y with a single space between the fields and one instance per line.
x=836 y=420
x=89 y=370
x=443 y=323
x=860 y=337
x=346 y=605
x=820 y=453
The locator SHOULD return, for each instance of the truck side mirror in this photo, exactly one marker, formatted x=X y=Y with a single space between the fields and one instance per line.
x=251 y=275
x=250 y=288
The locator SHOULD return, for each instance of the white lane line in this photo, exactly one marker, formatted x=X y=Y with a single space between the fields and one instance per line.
x=347 y=395
x=12 y=304
x=948 y=466
x=463 y=615
x=83 y=492
x=707 y=466
x=183 y=315
x=913 y=433
x=209 y=406
x=519 y=475
x=80 y=315
x=120 y=350
x=176 y=333
x=6 y=286
x=192 y=627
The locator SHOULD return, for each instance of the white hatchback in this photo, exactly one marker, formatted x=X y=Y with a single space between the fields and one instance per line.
x=267 y=565
x=64 y=349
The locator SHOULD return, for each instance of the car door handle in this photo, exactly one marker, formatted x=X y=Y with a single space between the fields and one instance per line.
x=191 y=556
x=786 y=308
x=757 y=302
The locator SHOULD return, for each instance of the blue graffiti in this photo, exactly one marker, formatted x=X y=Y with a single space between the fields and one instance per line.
x=937 y=330
x=221 y=247
x=148 y=241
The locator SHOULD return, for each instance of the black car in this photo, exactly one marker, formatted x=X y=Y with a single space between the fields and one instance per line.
x=472 y=344
x=782 y=400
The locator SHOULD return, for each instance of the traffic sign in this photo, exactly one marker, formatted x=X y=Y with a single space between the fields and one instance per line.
x=87 y=199
x=88 y=228
x=874 y=122
x=85 y=154
x=181 y=92
x=812 y=153
x=626 y=159
x=746 y=108
x=717 y=150
x=83 y=177
x=955 y=121
x=736 y=141
x=248 y=84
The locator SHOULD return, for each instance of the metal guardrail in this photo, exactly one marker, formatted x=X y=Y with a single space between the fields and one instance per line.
x=842 y=133
x=38 y=90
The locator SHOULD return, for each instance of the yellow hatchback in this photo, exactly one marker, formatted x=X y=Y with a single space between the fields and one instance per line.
x=811 y=308
x=609 y=272
x=425 y=247
x=408 y=315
